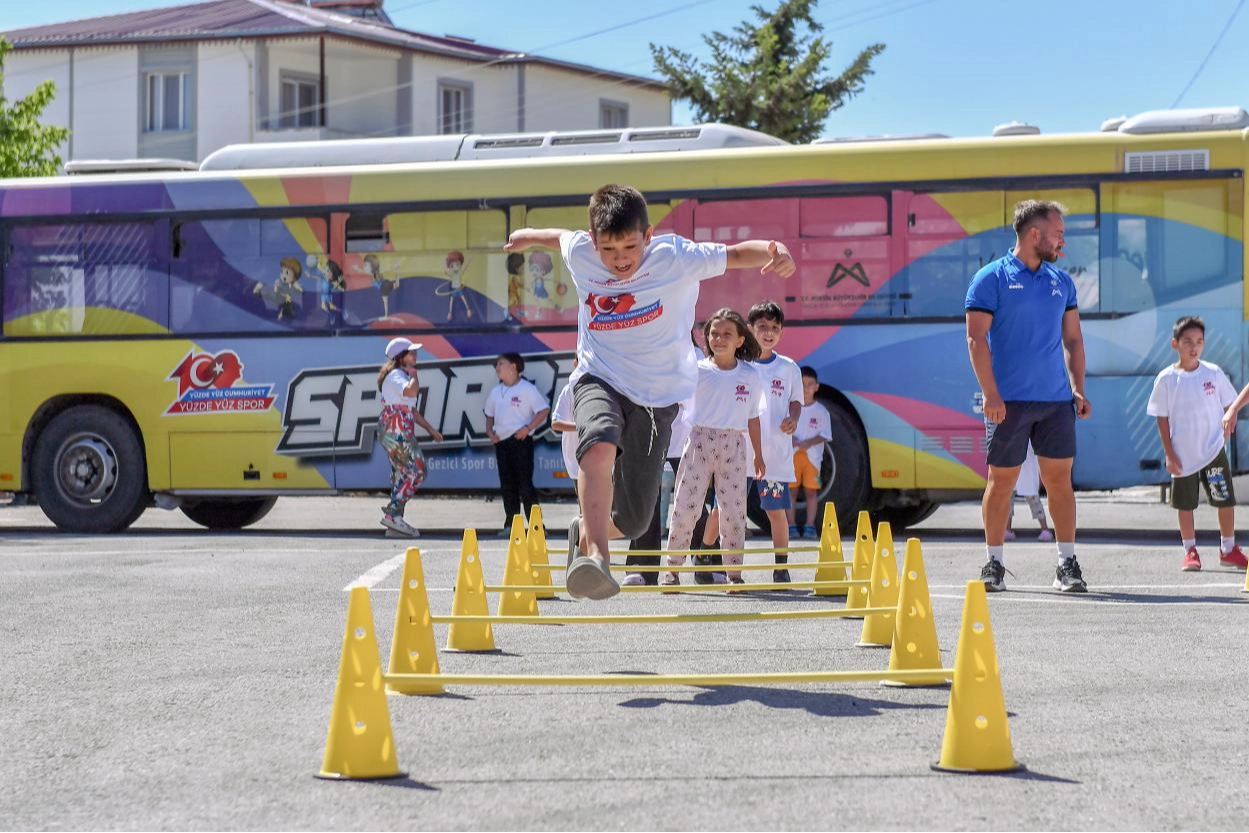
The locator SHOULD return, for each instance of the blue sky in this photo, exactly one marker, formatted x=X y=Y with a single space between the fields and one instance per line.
x=951 y=66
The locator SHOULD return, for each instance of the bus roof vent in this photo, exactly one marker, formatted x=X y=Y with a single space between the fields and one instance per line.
x=585 y=139
x=1166 y=161
x=334 y=152
x=1112 y=124
x=627 y=140
x=885 y=137
x=127 y=166
x=1187 y=121
x=674 y=133
x=493 y=143
x=1016 y=128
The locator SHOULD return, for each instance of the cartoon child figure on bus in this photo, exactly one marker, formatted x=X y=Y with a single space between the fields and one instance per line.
x=515 y=285
x=384 y=284
x=330 y=285
x=284 y=288
x=540 y=268
x=454 y=287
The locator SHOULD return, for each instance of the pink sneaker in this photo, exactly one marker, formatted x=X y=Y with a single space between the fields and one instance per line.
x=1235 y=558
x=1192 y=561
x=1046 y=536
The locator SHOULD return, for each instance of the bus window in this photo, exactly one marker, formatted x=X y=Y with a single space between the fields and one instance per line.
x=87 y=279
x=845 y=267
x=540 y=290
x=1080 y=257
x=949 y=236
x=733 y=221
x=434 y=268
x=1165 y=241
x=248 y=274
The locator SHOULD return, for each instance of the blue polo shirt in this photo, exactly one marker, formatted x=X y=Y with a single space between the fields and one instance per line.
x=1026 y=337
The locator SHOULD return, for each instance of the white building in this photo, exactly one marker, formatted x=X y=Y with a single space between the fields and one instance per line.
x=183 y=81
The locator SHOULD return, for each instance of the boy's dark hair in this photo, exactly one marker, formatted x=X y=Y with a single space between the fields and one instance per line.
x=617 y=210
x=515 y=262
x=514 y=358
x=766 y=309
x=809 y=371
x=1030 y=212
x=750 y=350
x=1187 y=322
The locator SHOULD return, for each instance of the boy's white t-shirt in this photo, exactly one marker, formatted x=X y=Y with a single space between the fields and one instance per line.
x=567 y=439
x=634 y=333
x=1193 y=402
x=513 y=407
x=728 y=399
x=814 y=421
x=681 y=427
x=782 y=384
x=393 y=386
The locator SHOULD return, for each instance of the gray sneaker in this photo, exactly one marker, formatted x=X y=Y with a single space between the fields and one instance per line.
x=590 y=578
x=1068 y=577
x=574 y=539
x=993 y=574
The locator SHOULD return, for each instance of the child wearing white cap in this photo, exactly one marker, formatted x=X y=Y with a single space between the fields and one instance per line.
x=396 y=430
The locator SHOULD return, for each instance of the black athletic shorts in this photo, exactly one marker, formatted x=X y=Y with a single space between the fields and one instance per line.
x=1216 y=476
x=1049 y=426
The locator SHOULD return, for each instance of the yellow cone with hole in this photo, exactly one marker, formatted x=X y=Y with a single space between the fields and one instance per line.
x=412 y=649
x=470 y=600
x=536 y=541
x=878 y=627
x=977 y=736
x=830 y=550
x=861 y=563
x=360 y=744
x=518 y=572
x=915 y=646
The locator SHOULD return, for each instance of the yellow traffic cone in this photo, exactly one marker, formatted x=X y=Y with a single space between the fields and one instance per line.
x=412 y=649
x=977 y=735
x=914 y=632
x=360 y=744
x=470 y=600
x=861 y=564
x=830 y=550
x=878 y=627
x=1246 y=590
x=536 y=541
x=518 y=572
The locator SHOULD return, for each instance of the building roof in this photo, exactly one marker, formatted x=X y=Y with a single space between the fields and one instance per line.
x=233 y=19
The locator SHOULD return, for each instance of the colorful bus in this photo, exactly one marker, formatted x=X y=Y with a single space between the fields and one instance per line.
x=210 y=339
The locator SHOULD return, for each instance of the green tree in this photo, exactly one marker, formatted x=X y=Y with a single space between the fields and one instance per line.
x=27 y=147
x=767 y=75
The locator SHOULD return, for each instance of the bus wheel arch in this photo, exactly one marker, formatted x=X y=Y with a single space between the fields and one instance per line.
x=87 y=464
x=228 y=513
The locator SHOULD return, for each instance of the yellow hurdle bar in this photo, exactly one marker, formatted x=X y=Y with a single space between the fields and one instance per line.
x=768 y=550
x=665 y=618
x=704 y=680
x=686 y=588
x=713 y=568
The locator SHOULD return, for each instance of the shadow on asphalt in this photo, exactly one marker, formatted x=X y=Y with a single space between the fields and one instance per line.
x=815 y=703
x=1096 y=595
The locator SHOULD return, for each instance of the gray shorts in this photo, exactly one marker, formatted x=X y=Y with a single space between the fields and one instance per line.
x=640 y=435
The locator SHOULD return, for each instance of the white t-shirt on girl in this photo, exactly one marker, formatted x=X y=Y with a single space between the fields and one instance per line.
x=634 y=334
x=513 y=407
x=393 y=386
x=567 y=439
x=728 y=398
x=814 y=421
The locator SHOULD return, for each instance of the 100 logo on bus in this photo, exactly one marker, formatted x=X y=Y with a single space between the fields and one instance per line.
x=334 y=410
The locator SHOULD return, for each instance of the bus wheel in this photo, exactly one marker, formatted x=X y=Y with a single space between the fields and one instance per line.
x=900 y=517
x=228 y=513
x=89 y=471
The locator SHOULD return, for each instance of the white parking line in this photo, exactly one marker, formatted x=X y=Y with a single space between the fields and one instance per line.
x=378 y=573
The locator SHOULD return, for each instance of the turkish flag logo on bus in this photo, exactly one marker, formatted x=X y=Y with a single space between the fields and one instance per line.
x=208 y=371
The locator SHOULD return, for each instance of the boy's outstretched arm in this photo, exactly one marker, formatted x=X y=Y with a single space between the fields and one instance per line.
x=1229 y=416
x=528 y=238
x=768 y=254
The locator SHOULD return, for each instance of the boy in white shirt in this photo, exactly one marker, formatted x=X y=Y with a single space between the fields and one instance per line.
x=1188 y=399
x=637 y=294
x=514 y=410
x=815 y=428
x=782 y=396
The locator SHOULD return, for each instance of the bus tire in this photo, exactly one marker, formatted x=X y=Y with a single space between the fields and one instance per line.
x=901 y=517
x=228 y=513
x=89 y=471
x=847 y=453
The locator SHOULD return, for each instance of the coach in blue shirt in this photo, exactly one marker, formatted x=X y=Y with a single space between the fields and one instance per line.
x=1023 y=333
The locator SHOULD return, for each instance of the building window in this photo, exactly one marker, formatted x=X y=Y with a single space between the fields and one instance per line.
x=613 y=115
x=455 y=107
x=168 y=96
x=301 y=102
